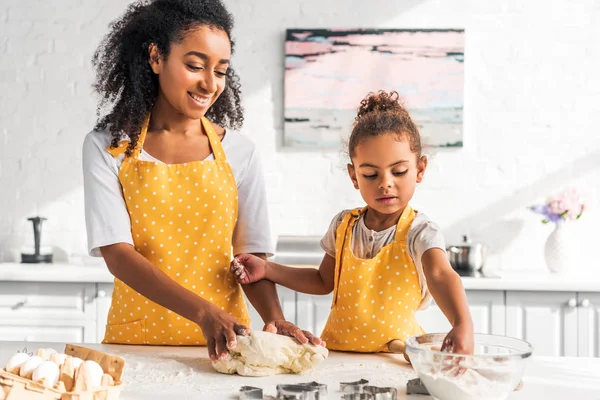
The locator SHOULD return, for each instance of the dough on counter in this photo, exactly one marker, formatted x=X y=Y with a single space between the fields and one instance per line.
x=265 y=353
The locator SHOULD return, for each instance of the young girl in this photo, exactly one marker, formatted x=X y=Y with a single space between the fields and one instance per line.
x=383 y=261
x=172 y=190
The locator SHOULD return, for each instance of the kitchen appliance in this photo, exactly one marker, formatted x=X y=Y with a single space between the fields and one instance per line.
x=39 y=254
x=467 y=258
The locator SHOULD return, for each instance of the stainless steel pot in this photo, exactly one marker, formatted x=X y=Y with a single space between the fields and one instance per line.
x=467 y=258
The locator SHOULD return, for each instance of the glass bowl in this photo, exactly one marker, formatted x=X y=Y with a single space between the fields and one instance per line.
x=492 y=372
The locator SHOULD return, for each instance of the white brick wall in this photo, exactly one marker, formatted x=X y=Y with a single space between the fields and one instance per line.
x=532 y=116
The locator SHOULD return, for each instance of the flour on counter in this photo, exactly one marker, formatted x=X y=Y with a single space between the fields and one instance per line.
x=180 y=375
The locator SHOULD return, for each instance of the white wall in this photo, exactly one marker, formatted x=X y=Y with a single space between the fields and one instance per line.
x=532 y=116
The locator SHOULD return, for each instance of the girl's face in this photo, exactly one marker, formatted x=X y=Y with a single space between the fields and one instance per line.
x=386 y=172
x=193 y=76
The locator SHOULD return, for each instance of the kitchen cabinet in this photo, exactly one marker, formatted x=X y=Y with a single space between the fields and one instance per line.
x=312 y=312
x=287 y=299
x=588 y=314
x=487 y=310
x=39 y=311
x=55 y=330
x=557 y=323
x=103 y=300
x=548 y=320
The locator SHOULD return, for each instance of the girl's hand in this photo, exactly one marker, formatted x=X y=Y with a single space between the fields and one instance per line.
x=248 y=268
x=460 y=339
x=220 y=330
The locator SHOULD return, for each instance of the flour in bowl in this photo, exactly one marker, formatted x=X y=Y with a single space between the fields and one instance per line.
x=468 y=384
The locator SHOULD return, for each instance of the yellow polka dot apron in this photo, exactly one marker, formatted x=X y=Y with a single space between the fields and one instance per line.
x=374 y=300
x=182 y=220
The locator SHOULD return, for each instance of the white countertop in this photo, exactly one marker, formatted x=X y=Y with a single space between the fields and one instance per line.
x=527 y=281
x=55 y=273
x=186 y=373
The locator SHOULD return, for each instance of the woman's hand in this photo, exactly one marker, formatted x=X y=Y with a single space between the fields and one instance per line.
x=460 y=340
x=220 y=330
x=286 y=328
x=248 y=268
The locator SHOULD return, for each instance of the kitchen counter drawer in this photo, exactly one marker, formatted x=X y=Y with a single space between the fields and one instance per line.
x=47 y=300
x=54 y=330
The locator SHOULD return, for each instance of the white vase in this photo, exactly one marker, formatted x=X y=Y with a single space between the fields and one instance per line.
x=560 y=250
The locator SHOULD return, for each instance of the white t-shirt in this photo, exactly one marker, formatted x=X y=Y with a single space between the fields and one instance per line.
x=106 y=215
x=366 y=243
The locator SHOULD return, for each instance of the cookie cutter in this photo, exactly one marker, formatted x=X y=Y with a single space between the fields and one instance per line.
x=321 y=387
x=357 y=396
x=381 y=393
x=250 y=393
x=415 y=386
x=353 y=387
x=297 y=392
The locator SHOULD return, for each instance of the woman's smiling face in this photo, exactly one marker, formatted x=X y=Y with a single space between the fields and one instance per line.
x=194 y=74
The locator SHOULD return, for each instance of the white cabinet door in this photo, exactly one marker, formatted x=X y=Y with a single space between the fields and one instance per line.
x=547 y=320
x=589 y=324
x=54 y=330
x=287 y=299
x=313 y=311
x=487 y=310
x=47 y=300
x=103 y=300
x=433 y=320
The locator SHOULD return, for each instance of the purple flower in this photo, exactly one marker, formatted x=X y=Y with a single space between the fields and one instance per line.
x=567 y=205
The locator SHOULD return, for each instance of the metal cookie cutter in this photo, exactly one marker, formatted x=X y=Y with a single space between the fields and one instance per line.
x=297 y=392
x=381 y=393
x=251 y=393
x=353 y=387
x=321 y=387
x=415 y=386
x=357 y=396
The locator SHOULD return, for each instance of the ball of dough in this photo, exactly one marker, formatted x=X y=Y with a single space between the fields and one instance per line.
x=265 y=353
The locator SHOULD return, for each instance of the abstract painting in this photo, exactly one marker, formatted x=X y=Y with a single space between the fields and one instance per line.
x=329 y=71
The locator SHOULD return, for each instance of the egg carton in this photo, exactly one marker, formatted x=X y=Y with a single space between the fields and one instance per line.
x=15 y=387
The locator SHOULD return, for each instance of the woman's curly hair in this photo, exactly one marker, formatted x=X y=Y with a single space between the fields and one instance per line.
x=127 y=85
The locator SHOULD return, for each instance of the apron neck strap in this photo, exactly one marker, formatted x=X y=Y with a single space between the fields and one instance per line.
x=140 y=143
x=213 y=138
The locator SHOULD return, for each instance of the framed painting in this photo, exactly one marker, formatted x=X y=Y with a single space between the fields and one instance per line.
x=329 y=71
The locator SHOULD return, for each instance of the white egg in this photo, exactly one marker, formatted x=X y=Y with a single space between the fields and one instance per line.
x=45 y=353
x=58 y=358
x=76 y=362
x=46 y=370
x=29 y=366
x=94 y=372
x=14 y=363
x=50 y=350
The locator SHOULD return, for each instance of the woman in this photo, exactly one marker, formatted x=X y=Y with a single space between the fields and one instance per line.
x=171 y=195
